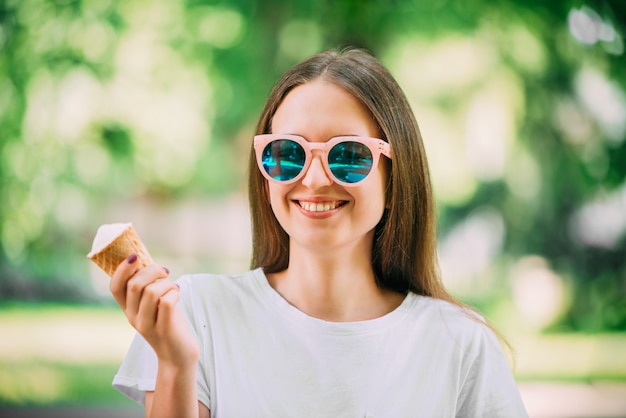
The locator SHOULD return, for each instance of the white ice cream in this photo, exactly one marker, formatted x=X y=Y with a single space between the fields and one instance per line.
x=106 y=234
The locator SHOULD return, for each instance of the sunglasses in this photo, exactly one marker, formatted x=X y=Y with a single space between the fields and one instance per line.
x=348 y=159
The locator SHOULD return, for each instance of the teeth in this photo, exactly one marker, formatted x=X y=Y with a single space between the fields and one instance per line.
x=319 y=207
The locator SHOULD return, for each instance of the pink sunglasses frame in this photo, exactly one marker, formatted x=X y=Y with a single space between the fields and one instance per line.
x=376 y=146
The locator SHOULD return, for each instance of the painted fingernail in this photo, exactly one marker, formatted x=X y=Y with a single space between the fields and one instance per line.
x=166 y=270
x=131 y=258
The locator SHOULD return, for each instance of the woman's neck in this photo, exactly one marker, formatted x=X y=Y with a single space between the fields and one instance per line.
x=334 y=286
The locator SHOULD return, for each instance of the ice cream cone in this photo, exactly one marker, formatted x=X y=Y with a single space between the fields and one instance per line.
x=116 y=242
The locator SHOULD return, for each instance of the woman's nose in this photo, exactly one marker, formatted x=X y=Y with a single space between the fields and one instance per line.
x=316 y=176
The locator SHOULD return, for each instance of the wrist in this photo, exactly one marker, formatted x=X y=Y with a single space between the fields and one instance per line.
x=175 y=393
x=174 y=369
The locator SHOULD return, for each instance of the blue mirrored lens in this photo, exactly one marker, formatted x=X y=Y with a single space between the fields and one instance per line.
x=350 y=161
x=283 y=159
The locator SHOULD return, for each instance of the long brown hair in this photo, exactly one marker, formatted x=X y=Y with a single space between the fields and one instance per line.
x=404 y=252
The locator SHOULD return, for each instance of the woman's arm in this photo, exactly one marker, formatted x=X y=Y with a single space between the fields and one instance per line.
x=149 y=303
x=175 y=394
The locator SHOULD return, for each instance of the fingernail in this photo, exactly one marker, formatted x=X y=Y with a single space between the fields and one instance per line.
x=132 y=258
x=166 y=270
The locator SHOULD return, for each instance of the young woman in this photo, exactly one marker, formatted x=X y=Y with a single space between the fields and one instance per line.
x=344 y=313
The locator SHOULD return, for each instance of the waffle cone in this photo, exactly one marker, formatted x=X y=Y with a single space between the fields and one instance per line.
x=111 y=255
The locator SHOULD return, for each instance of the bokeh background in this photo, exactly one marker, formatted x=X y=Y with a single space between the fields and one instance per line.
x=143 y=111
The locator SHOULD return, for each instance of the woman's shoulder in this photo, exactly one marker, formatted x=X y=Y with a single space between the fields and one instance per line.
x=454 y=319
x=428 y=305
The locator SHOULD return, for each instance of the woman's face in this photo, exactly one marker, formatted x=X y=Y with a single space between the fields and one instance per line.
x=316 y=212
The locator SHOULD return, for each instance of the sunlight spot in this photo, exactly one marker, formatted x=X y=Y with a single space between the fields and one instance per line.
x=222 y=28
x=137 y=53
x=491 y=125
x=601 y=222
x=605 y=101
x=589 y=28
x=299 y=38
x=470 y=249
x=427 y=69
x=487 y=128
x=78 y=96
x=538 y=292
x=453 y=180
x=40 y=103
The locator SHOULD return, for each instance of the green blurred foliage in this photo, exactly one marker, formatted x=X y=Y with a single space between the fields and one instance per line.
x=107 y=100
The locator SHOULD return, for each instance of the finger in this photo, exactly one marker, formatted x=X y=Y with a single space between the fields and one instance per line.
x=119 y=279
x=149 y=304
x=136 y=284
x=167 y=306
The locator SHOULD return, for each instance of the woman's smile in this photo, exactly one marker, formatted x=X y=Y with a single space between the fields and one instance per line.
x=320 y=206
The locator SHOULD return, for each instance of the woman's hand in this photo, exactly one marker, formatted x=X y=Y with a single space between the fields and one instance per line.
x=149 y=302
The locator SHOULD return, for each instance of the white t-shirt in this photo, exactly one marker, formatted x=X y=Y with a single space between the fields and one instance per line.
x=262 y=357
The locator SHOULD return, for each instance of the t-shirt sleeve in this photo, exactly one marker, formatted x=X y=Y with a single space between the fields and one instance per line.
x=137 y=374
x=488 y=389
